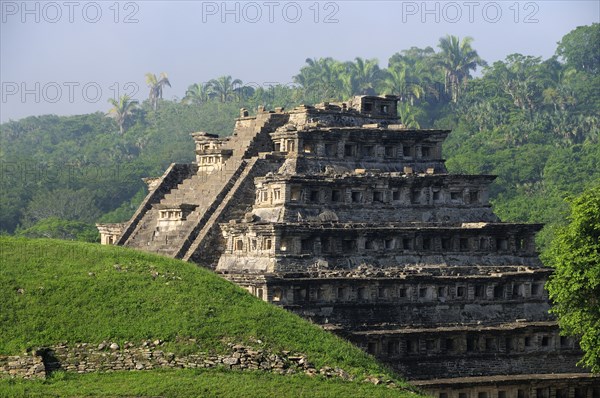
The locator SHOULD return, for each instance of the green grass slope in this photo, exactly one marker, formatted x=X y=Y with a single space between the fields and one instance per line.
x=187 y=383
x=55 y=291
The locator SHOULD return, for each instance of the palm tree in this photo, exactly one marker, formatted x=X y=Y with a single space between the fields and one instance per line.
x=121 y=110
x=521 y=78
x=397 y=81
x=322 y=79
x=224 y=87
x=156 y=87
x=197 y=93
x=457 y=59
x=364 y=75
x=407 y=116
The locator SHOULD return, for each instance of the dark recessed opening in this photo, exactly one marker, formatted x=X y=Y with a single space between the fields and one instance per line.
x=330 y=149
x=479 y=291
x=372 y=348
x=426 y=243
x=502 y=244
x=446 y=243
x=306 y=245
x=348 y=150
x=415 y=197
x=378 y=196
x=336 y=196
x=449 y=344
x=348 y=245
x=498 y=291
x=470 y=343
x=314 y=196
x=369 y=151
x=473 y=197
x=545 y=341
x=392 y=347
x=362 y=293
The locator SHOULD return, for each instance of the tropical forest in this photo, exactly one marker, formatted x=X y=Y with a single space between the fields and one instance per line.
x=533 y=122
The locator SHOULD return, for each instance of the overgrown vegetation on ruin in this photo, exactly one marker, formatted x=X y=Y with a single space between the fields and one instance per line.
x=54 y=291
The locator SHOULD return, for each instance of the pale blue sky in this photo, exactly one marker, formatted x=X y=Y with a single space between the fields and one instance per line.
x=70 y=57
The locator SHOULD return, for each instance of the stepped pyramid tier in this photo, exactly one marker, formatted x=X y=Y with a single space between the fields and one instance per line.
x=340 y=213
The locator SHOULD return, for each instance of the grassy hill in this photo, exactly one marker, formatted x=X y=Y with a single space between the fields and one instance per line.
x=55 y=291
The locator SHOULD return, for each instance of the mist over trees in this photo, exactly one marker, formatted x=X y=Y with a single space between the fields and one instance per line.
x=534 y=122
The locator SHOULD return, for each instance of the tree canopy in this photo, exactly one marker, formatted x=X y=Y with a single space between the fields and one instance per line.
x=575 y=285
x=581 y=48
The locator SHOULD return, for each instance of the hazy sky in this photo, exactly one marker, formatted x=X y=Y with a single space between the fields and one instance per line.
x=69 y=57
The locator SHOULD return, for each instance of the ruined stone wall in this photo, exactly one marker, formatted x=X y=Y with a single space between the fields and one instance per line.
x=107 y=357
x=25 y=366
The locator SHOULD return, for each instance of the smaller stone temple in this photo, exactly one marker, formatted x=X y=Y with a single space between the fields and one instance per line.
x=109 y=233
x=341 y=214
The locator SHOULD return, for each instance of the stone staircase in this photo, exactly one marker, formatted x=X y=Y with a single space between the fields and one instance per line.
x=143 y=217
x=205 y=245
x=204 y=190
x=207 y=196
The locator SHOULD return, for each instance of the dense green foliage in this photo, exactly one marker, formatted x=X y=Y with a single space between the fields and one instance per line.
x=533 y=122
x=53 y=291
x=192 y=383
x=56 y=228
x=575 y=285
